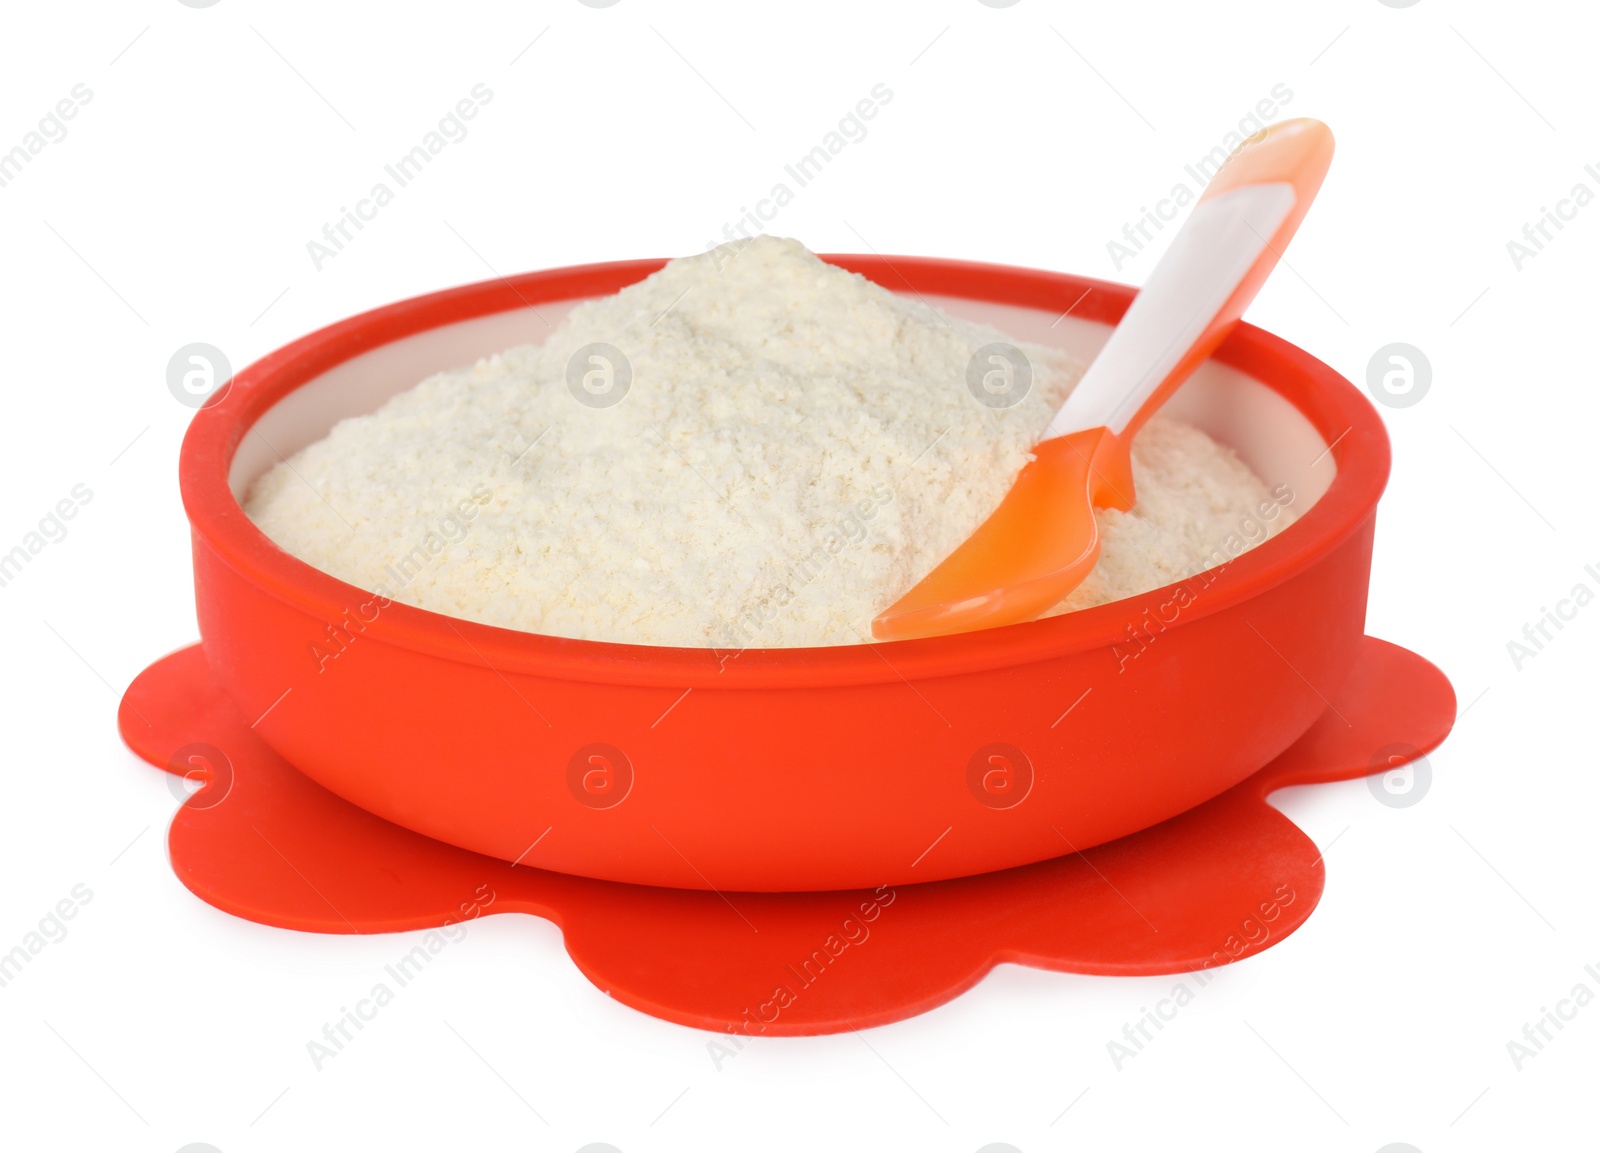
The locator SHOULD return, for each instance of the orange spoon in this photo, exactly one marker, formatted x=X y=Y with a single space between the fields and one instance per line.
x=1042 y=541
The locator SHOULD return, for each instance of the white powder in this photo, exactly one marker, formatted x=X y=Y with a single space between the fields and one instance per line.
x=797 y=447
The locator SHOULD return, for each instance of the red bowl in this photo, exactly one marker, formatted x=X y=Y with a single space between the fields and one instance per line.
x=803 y=768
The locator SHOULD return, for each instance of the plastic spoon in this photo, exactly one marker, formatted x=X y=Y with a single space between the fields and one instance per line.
x=1043 y=541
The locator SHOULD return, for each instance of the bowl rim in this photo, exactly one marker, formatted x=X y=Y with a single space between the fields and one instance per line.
x=1341 y=414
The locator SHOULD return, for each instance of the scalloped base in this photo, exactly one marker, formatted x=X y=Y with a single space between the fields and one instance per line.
x=1221 y=882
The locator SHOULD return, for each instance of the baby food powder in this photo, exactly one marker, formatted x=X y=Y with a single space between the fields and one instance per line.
x=750 y=448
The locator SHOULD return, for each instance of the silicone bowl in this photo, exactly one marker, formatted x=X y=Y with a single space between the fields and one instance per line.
x=787 y=769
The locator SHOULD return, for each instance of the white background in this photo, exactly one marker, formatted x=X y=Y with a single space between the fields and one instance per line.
x=219 y=141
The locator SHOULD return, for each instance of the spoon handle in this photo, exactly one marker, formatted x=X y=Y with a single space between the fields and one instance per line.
x=1205 y=280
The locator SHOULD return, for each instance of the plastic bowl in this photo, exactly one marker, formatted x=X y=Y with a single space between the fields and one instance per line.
x=786 y=769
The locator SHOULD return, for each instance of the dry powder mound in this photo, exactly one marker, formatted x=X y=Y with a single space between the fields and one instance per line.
x=792 y=449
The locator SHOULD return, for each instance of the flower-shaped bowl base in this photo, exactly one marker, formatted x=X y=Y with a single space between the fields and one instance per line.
x=1220 y=882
